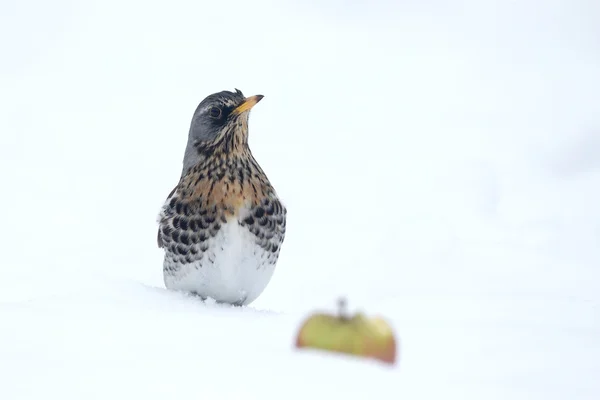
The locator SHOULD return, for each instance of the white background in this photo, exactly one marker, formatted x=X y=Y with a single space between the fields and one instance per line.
x=440 y=162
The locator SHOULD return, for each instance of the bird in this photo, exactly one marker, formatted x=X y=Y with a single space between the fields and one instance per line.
x=223 y=224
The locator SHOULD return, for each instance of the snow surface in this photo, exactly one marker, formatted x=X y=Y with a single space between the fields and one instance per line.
x=439 y=161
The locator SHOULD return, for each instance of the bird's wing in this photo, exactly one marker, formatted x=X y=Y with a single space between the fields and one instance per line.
x=162 y=216
x=186 y=224
x=267 y=221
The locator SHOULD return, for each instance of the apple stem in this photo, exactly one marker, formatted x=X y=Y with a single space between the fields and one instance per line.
x=342 y=308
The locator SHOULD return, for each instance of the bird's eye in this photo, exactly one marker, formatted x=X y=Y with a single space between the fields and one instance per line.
x=214 y=112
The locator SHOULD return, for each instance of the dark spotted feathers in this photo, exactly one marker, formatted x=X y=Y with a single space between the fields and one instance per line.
x=222 y=188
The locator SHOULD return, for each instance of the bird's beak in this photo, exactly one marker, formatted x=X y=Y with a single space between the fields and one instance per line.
x=247 y=104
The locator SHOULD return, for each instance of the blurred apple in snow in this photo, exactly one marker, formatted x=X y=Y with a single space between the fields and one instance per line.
x=357 y=335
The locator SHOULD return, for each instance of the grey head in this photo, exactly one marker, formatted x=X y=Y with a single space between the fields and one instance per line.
x=216 y=118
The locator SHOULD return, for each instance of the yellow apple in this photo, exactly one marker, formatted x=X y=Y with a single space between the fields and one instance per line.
x=357 y=335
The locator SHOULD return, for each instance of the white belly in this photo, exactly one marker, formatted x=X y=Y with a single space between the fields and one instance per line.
x=233 y=269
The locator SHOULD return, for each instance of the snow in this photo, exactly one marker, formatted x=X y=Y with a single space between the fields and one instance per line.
x=438 y=161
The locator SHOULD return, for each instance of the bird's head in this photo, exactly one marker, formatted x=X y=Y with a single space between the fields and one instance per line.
x=219 y=124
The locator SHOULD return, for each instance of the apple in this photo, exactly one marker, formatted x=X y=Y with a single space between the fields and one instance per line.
x=357 y=335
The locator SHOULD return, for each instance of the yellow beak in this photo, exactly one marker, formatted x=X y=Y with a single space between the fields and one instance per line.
x=248 y=104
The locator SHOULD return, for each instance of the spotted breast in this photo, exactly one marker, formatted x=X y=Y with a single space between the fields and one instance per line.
x=222 y=228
